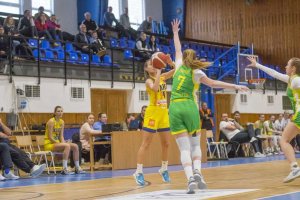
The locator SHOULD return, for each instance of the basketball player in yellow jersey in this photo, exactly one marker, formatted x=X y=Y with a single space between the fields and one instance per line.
x=156 y=120
x=54 y=141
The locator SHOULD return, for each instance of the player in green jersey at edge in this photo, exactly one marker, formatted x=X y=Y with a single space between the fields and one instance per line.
x=183 y=111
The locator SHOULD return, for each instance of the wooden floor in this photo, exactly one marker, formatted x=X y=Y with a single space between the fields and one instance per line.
x=266 y=177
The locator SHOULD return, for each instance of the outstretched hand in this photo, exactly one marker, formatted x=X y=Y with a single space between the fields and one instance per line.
x=175 y=25
x=253 y=61
x=241 y=88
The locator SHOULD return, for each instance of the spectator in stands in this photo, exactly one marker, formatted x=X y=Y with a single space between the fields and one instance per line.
x=109 y=18
x=146 y=25
x=286 y=118
x=97 y=45
x=82 y=40
x=232 y=133
x=40 y=12
x=128 y=121
x=18 y=156
x=140 y=118
x=90 y=24
x=125 y=23
x=54 y=141
x=4 y=44
x=105 y=150
x=141 y=45
x=259 y=125
x=278 y=125
x=152 y=45
x=6 y=162
x=206 y=117
x=43 y=30
x=269 y=129
x=26 y=25
x=63 y=35
x=85 y=131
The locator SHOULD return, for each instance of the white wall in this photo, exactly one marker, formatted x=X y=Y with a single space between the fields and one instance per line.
x=66 y=12
x=154 y=8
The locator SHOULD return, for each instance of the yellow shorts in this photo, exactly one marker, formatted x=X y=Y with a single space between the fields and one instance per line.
x=156 y=119
x=48 y=146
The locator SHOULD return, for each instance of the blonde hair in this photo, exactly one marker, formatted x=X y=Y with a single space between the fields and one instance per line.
x=190 y=60
x=147 y=75
x=296 y=63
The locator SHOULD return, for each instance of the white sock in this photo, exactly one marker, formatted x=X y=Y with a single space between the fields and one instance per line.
x=197 y=165
x=139 y=168
x=188 y=170
x=164 y=165
x=77 y=164
x=294 y=165
x=65 y=164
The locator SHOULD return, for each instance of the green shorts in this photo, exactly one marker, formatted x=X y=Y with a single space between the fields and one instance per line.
x=184 y=117
x=296 y=119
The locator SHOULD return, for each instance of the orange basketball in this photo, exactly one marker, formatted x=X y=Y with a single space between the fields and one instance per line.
x=160 y=60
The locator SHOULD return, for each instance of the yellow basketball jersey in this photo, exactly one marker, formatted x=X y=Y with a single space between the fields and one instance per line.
x=56 y=130
x=158 y=98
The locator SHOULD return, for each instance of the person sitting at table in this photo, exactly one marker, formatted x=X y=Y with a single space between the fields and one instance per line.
x=85 y=131
x=105 y=149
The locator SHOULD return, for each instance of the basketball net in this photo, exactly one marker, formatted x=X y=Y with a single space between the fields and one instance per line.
x=258 y=83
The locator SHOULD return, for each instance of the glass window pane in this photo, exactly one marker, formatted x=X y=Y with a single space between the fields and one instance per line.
x=11 y=1
x=45 y=3
x=136 y=12
x=115 y=4
x=10 y=9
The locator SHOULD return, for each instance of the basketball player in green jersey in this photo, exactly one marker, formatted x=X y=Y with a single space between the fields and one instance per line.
x=292 y=78
x=183 y=111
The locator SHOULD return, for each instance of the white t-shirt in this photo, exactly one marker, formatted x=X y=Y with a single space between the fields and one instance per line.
x=228 y=133
x=198 y=73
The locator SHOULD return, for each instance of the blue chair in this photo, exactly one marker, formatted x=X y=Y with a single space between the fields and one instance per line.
x=45 y=44
x=128 y=54
x=95 y=60
x=131 y=44
x=113 y=42
x=35 y=53
x=107 y=59
x=123 y=43
x=33 y=43
x=73 y=57
x=84 y=58
x=60 y=56
x=49 y=56
x=69 y=47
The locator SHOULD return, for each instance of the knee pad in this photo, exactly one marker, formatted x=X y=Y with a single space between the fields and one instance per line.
x=185 y=150
x=195 y=146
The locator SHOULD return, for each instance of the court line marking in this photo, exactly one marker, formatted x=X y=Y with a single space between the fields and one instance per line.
x=278 y=195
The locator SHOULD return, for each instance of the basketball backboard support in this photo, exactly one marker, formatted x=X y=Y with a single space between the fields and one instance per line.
x=246 y=73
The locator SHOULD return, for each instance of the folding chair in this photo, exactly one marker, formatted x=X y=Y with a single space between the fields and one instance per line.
x=40 y=139
x=219 y=147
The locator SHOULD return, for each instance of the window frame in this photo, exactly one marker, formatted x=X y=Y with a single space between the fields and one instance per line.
x=16 y=5
x=51 y=11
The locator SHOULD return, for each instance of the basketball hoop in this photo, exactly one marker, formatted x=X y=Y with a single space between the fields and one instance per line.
x=258 y=83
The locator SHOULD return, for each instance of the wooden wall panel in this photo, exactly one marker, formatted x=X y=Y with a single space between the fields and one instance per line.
x=222 y=105
x=272 y=25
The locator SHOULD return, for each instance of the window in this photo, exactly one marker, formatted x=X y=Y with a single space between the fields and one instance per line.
x=32 y=91
x=115 y=4
x=136 y=12
x=270 y=99
x=77 y=93
x=143 y=96
x=243 y=98
x=286 y=103
x=47 y=4
x=11 y=6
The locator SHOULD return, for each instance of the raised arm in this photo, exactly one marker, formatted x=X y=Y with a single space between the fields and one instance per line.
x=269 y=71
x=175 y=27
x=154 y=86
x=219 y=84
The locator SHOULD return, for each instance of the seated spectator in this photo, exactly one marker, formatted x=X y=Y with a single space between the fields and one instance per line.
x=43 y=30
x=54 y=141
x=6 y=162
x=105 y=150
x=90 y=24
x=20 y=46
x=125 y=23
x=273 y=141
x=82 y=40
x=141 y=45
x=85 y=131
x=128 y=121
x=232 y=133
x=206 y=117
x=146 y=25
x=26 y=25
x=18 y=156
x=278 y=125
x=54 y=26
x=109 y=18
x=140 y=117
x=152 y=45
x=40 y=12
x=4 y=44
x=97 y=45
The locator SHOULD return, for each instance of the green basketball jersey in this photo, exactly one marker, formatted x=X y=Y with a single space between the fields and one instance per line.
x=294 y=96
x=184 y=86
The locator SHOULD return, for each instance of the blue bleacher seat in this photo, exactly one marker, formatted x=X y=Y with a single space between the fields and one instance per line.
x=69 y=47
x=49 y=56
x=128 y=54
x=131 y=44
x=107 y=59
x=96 y=60
x=33 y=43
x=113 y=42
x=73 y=57
x=84 y=58
x=123 y=43
x=60 y=56
x=45 y=44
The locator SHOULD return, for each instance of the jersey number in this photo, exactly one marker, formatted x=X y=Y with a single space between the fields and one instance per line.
x=181 y=79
